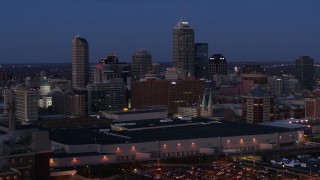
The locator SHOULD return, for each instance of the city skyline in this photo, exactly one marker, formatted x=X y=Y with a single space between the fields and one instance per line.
x=34 y=32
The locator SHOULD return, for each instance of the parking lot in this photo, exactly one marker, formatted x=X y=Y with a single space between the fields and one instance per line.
x=215 y=170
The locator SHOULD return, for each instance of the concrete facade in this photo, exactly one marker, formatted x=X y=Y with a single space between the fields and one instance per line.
x=115 y=153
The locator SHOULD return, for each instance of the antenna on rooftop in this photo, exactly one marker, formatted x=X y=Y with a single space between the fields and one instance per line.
x=185 y=14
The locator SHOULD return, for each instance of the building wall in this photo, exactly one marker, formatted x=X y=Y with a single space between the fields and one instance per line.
x=175 y=148
x=257 y=110
x=230 y=91
x=184 y=93
x=135 y=116
x=149 y=93
x=246 y=86
x=62 y=102
x=82 y=160
x=257 y=78
x=188 y=111
x=312 y=108
x=26 y=105
x=79 y=105
x=106 y=97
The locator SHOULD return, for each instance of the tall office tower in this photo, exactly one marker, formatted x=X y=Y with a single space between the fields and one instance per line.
x=26 y=105
x=141 y=64
x=201 y=60
x=183 y=49
x=258 y=106
x=217 y=65
x=80 y=62
x=305 y=72
x=106 y=97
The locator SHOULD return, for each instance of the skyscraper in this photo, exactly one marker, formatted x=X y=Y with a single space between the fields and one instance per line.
x=141 y=64
x=217 y=65
x=107 y=69
x=258 y=106
x=305 y=72
x=80 y=62
x=26 y=105
x=201 y=60
x=183 y=49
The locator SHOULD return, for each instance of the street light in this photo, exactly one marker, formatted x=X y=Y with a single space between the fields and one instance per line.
x=282 y=171
x=125 y=174
x=89 y=171
x=311 y=168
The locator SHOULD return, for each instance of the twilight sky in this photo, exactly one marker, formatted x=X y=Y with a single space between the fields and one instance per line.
x=33 y=31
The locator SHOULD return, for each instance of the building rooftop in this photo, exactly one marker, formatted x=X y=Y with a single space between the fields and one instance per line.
x=183 y=24
x=136 y=111
x=147 y=133
x=288 y=123
x=258 y=92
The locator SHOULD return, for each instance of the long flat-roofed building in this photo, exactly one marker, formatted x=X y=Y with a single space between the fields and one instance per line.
x=164 y=138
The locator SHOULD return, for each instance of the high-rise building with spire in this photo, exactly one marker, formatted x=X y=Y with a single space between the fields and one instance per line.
x=183 y=49
x=80 y=62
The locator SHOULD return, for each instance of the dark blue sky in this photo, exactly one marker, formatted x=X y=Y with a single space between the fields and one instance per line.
x=33 y=31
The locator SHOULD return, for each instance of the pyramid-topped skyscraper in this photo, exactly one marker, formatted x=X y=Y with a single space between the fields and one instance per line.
x=183 y=49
